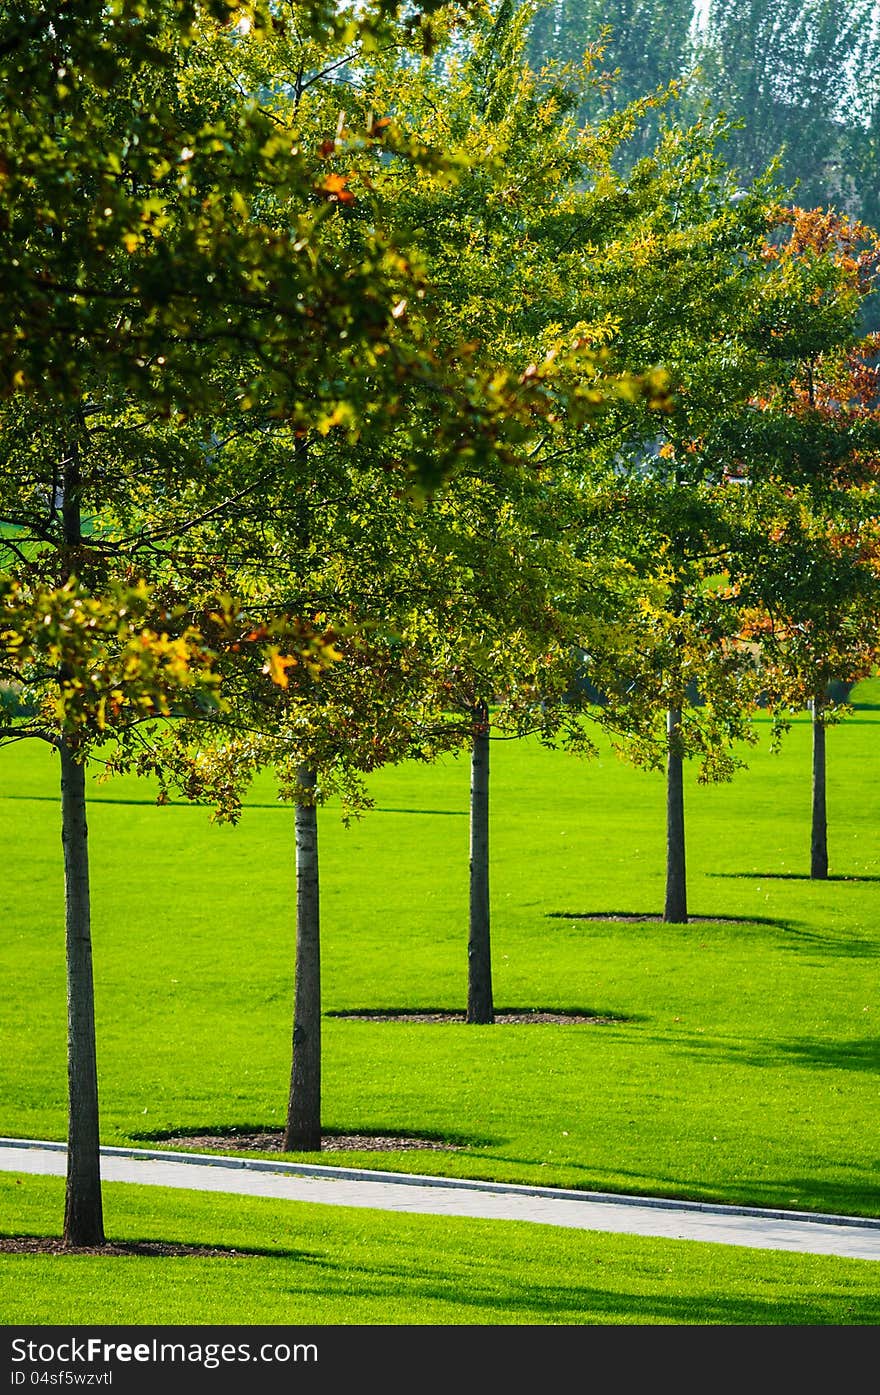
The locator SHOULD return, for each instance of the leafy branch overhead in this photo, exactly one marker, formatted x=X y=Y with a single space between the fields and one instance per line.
x=93 y=668
x=169 y=199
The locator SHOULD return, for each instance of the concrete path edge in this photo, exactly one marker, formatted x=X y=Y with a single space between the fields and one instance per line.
x=458 y=1183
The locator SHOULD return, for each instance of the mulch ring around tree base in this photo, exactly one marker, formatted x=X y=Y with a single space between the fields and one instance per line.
x=502 y=1016
x=149 y=1249
x=330 y=1142
x=628 y=918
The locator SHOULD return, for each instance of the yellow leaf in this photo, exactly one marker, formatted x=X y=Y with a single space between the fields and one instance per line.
x=276 y=667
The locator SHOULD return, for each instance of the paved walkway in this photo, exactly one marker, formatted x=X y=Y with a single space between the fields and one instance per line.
x=807 y=1232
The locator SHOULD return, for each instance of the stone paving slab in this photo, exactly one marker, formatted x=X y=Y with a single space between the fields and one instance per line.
x=805 y=1232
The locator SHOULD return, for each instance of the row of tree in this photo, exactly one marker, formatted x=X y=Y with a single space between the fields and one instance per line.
x=799 y=78
x=360 y=404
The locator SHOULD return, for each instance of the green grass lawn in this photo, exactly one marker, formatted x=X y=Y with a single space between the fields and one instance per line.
x=866 y=693
x=295 y=1263
x=744 y=1066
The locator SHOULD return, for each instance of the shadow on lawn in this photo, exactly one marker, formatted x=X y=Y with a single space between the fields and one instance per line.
x=857 y=1198
x=796 y=937
x=643 y=917
x=863 y=1055
x=795 y=877
x=98 y=799
x=206 y=803
x=852 y=1055
x=532 y=1301
x=615 y=1297
x=792 y=936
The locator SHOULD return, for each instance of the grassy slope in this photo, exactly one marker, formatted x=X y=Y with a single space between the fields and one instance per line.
x=300 y=1264
x=747 y=1069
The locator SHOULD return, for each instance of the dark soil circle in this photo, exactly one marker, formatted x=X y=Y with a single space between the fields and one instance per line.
x=626 y=918
x=502 y=1016
x=271 y=1142
x=53 y=1245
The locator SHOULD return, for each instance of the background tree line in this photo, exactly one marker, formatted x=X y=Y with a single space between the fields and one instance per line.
x=801 y=76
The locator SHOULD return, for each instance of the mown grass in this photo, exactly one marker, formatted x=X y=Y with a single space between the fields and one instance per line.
x=745 y=1066
x=295 y=1263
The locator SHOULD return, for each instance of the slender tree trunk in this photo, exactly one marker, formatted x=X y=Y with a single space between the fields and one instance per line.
x=83 y=1207
x=83 y=1212
x=480 y=1007
x=303 y=1132
x=676 y=880
x=819 y=825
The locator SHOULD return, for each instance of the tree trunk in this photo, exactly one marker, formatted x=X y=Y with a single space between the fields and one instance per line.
x=303 y=1132
x=819 y=826
x=480 y=1007
x=676 y=881
x=83 y=1212
x=83 y=1207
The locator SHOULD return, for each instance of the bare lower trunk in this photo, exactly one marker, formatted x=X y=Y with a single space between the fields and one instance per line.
x=303 y=1132
x=83 y=1212
x=819 y=825
x=676 y=880
x=480 y=1007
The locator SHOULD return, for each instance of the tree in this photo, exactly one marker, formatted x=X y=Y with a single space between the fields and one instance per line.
x=815 y=440
x=480 y=629
x=691 y=257
x=661 y=509
x=794 y=73
x=683 y=684
x=644 y=46
x=347 y=537
x=815 y=623
x=89 y=668
x=799 y=80
x=499 y=655
x=509 y=245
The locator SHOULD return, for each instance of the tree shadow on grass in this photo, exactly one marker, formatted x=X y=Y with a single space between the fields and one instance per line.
x=862 y=1055
x=278 y=804
x=94 y=800
x=857 y=1198
x=799 y=938
x=792 y=936
x=795 y=877
x=643 y=917
x=616 y=1296
x=630 y=1287
x=532 y=1301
